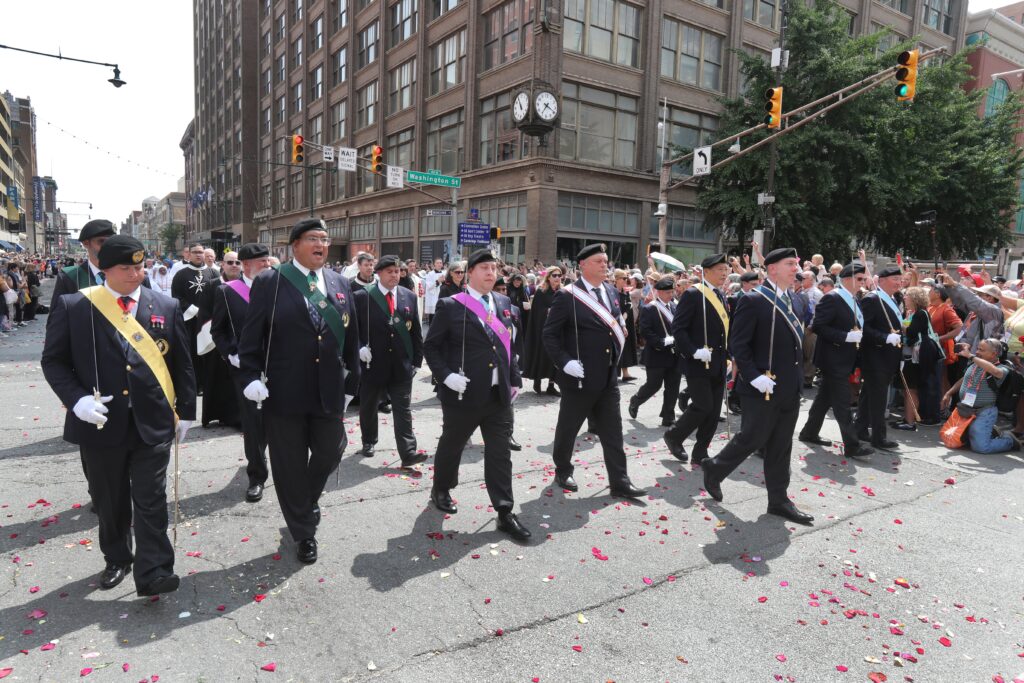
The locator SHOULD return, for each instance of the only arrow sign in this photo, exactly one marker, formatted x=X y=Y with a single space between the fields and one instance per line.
x=702 y=161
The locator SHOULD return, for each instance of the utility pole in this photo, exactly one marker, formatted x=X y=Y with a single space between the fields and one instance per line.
x=663 y=182
x=773 y=156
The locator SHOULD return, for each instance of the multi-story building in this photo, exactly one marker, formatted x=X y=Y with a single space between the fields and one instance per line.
x=169 y=212
x=23 y=146
x=188 y=183
x=431 y=81
x=10 y=212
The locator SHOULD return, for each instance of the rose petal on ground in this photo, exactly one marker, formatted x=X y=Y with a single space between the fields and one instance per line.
x=37 y=614
x=763 y=599
x=85 y=672
x=648 y=580
x=877 y=677
x=4 y=673
x=259 y=597
x=577 y=648
x=271 y=666
x=781 y=657
x=946 y=642
x=47 y=647
x=841 y=668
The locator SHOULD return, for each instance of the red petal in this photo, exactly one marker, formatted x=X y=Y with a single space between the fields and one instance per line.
x=85 y=672
x=945 y=641
x=221 y=608
x=763 y=599
x=577 y=648
x=125 y=667
x=877 y=677
x=269 y=667
x=259 y=597
x=47 y=647
x=4 y=673
x=781 y=658
x=841 y=668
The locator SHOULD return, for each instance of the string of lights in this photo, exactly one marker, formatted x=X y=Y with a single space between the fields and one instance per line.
x=113 y=155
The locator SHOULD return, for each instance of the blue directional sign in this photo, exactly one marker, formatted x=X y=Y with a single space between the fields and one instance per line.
x=474 y=233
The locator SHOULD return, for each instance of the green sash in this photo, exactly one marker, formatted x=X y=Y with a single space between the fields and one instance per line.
x=75 y=273
x=327 y=311
x=394 y=321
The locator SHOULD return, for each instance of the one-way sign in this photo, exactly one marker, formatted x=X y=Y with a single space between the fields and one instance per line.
x=702 y=161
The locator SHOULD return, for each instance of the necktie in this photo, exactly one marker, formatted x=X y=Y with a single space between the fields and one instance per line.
x=487 y=302
x=597 y=295
x=314 y=315
x=126 y=303
x=100 y=277
x=391 y=302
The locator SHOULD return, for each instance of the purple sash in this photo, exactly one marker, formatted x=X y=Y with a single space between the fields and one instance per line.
x=478 y=309
x=240 y=289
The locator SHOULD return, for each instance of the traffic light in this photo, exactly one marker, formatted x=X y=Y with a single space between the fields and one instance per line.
x=773 y=106
x=495 y=233
x=298 y=151
x=906 y=75
x=377 y=160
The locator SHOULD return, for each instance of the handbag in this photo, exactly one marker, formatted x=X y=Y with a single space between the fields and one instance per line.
x=954 y=431
x=10 y=296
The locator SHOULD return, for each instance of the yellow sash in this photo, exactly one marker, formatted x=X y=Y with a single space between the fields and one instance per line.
x=136 y=336
x=716 y=304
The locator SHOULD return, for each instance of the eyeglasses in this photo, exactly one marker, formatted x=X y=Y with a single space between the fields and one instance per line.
x=232 y=263
x=458 y=272
x=317 y=240
x=555 y=275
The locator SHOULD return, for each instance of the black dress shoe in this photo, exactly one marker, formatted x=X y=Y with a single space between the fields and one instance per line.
x=163 y=584
x=113 y=575
x=790 y=512
x=713 y=486
x=626 y=490
x=633 y=408
x=886 y=445
x=442 y=500
x=666 y=422
x=511 y=525
x=699 y=457
x=905 y=427
x=566 y=483
x=675 y=447
x=553 y=390
x=628 y=379
x=307 y=551
x=316 y=513
x=513 y=444
x=367 y=450
x=861 y=451
x=384 y=408
x=863 y=436
x=415 y=459
x=806 y=438
x=254 y=493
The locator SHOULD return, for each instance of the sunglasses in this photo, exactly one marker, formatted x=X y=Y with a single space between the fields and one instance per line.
x=554 y=275
x=233 y=263
x=458 y=272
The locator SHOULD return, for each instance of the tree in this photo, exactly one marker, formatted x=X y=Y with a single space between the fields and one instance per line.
x=863 y=173
x=169 y=235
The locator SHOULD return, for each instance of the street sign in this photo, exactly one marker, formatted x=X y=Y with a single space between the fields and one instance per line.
x=395 y=176
x=702 y=161
x=432 y=179
x=765 y=198
x=474 y=214
x=474 y=233
x=439 y=212
x=328 y=153
x=347 y=158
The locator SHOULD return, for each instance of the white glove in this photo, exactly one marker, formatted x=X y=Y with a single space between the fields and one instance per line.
x=574 y=368
x=233 y=359
x=88 y=409
x=894 y=338
x=456 y=383
x=256 y=391
x=190 y=312
x=702 y=355
x=348 y=399
x=668 y=341
x=365 y=355
x=764 y=384
x=182 y=430
x=854 y=336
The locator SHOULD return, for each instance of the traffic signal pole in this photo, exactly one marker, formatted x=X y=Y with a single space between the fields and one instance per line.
x=773 y=154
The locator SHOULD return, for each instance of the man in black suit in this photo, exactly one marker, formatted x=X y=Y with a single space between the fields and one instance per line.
x=391 y=349
x=300 y=364
x=469 y=351
x=659 y=356
x=138 y=338
x=701 y=332
x=766 y=341
x=73 y=278
x=584 y=336
x=230 y=310
x=518 y=346
x=839 y=324
x=880 y=355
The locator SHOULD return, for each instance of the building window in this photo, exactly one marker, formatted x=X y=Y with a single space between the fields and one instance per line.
x=297 y=53
x=439 y=7
x=448 y=62
x=400 y=90
x=399 y=149
x=297 y=98
x=363 y=4
x=997 y=94
x=265 y=45
x=887 y=41
x=267 y=122
x=366 y=106
x=338 y=120
x=402 y=22
x=597 y=126
x=341 y=66
x=598 y=214
x=282 y=149
x=364 y=228
x=280 y=196
x=367 y=48
x=396 y=224
x=685 y=223
x=266 y=197
x=760 y=11
x=315 y=133
x=898 y=5
x=508 y=32
x=689 y=55
x=282 y=72
x=297 y=10
x=435 y=225
x=499 y=139
x=318 y=35
x=507 y=211
x=604 y=29
x=316 y=83
x=281 y=110
x=340 y=20
x=444 y=143
x=279 y=28
x=1020 y=213
x=938 y=14
x=687 y=130
x=267 y=81
x=296 y=199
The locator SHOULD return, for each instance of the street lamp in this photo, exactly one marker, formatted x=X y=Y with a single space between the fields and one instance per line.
x=115 y=81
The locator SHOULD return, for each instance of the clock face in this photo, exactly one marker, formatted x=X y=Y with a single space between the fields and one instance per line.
x=520 y=107
x=546 y=106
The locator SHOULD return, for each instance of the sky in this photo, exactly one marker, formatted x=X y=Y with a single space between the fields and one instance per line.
x=141 y=122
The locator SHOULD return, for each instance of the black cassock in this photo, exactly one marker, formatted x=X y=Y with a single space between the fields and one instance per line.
x=538 y=365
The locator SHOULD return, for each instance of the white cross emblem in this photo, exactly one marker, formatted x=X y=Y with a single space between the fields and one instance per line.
x=197 y=284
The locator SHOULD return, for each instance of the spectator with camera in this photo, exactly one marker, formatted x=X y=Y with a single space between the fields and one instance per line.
x=977 y=391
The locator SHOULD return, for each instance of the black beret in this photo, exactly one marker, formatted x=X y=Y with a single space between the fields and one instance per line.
x=776 y=255
x=665 y=283
x=890 y=270
x=96 y=228
x=121 y=250
x=252 y=250
x=386 y=262
x=712 y=261
x=500 y=282
x=851 y=269
x=479 y=256
x=304 y=226
x=750 y=276
x=590 y=250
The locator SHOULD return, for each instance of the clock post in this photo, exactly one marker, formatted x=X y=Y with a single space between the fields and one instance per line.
x=535 y=110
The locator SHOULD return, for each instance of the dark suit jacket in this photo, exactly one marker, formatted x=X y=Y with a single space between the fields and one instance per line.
x=688 y=330
x=749 y=341
x=455 y=328
x=306 y=374
x=69 y=367
x=229 y=314
x=82 y=278
x=189 y=295
x=875 y=354
x=389 y=357
x=833 y=319
x=518 y=344
x=654 y=328
x=598 y=347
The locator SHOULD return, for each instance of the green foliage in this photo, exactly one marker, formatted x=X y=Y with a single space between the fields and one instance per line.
x=169 y=235
x=865 y=171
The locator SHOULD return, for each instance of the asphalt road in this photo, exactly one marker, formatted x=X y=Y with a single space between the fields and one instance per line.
x=911 y=572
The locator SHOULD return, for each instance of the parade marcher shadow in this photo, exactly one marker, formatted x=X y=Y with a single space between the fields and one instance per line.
x=53 y=446
x=747 y=546
x=80 y=605
x=829 y=464
x=681 y=485
x=988 y=463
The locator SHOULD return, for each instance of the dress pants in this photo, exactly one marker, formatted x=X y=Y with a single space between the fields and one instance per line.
x=656 y=377
x=810 y=339
x=254 y=440
x=768 y=425
x=602 y=409
x=304 y=450
x=702 y=413
x=495 y=422
x=129 y=488
x=400 y=391
x=874 y=396
x=833 y=393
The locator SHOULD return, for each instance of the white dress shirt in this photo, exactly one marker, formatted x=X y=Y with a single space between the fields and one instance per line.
x=489 y=307
x=321 y=284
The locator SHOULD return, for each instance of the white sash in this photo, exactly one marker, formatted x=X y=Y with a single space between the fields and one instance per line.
x=664 y=310
x=601 y=312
